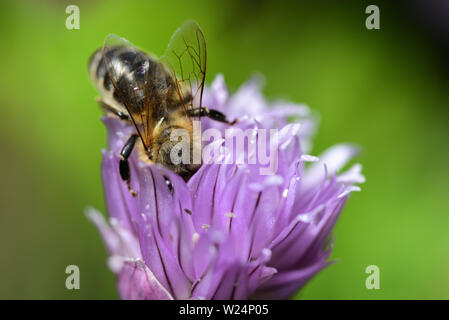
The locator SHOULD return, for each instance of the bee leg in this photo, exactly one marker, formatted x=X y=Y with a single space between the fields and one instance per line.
x=211 y=114
x=106 y=107
x=125 y=173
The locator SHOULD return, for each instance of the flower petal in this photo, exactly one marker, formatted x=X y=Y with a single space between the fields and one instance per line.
x=159 y=230
x=119 y=201
x=334 y=158
x=137 y=282
x=284 y=285
x=117 y=238
x=304 y=239
x=248 y=100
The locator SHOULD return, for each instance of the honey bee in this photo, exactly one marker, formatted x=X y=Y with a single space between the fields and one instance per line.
x=155 y=95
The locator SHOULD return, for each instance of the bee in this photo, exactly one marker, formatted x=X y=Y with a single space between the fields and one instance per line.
x=156 y=96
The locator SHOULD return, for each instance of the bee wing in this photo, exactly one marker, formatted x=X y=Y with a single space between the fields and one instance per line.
x=186 y=58
x=128 y=69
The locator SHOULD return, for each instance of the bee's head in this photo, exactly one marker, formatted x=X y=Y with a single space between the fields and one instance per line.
x=174 y=150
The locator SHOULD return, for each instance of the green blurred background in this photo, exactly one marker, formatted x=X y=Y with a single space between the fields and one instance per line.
x=386 y=90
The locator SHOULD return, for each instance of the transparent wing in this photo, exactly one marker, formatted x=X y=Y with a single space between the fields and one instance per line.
x=128 y=69
x=186 y=58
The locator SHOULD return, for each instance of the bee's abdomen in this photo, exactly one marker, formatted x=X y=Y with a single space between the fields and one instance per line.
x=135 y=75
x=101 y=79
x=97 y=71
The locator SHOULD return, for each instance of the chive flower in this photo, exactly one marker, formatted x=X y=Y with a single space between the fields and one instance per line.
x=229 y=232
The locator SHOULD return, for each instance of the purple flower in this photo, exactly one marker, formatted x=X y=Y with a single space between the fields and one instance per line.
x=229 y=232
